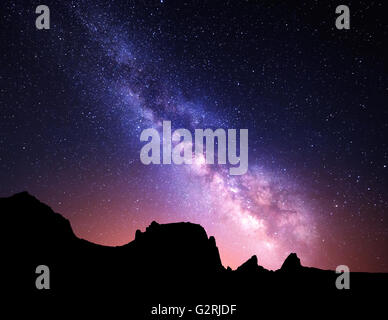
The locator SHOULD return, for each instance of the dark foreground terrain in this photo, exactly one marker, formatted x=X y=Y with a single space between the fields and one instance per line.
x=169 y=265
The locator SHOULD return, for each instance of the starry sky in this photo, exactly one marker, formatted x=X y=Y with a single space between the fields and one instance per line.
x=74 y=100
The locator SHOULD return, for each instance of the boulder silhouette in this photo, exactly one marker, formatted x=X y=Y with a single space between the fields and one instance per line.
x=178 y=247
x=251 y=266
x=292 y=263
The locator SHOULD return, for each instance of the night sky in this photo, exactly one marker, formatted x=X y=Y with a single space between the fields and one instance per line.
x=74 y=100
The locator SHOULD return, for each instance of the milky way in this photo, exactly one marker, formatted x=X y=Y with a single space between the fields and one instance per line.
x=80 y=94
x=261 y=214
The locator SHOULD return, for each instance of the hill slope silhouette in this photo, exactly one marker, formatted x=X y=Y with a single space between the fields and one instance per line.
x=170 y=263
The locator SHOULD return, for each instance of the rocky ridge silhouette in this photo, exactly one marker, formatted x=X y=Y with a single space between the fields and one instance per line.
x=167 y=262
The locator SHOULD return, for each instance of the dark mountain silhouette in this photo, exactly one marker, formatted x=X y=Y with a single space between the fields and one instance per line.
x=292 y=263
x=167 y=263
x=251 y=266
